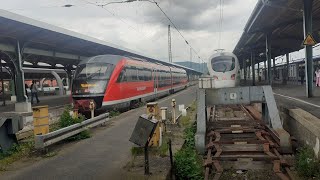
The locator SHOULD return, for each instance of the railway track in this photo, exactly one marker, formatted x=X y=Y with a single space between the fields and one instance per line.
x=238 y=139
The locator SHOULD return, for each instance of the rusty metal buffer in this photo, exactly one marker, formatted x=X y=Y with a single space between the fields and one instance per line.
x=208 y=97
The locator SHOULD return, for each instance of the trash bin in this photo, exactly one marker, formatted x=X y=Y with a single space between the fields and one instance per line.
x=40 y=120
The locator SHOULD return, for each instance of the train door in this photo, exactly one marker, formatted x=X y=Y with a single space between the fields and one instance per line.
x=155 y=82
x=171 y=82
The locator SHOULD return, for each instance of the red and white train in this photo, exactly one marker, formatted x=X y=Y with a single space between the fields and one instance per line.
x=114 y=81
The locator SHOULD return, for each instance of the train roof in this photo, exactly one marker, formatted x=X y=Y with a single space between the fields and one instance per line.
x=114 y=59
x=109 y=58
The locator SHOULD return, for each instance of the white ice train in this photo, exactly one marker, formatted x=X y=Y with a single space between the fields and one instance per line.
x=225 y=70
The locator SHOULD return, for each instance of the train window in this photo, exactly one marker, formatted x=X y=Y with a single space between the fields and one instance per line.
x=134 y=74
x=141 y=75
x=94 y=71
x=223 y=63
x=122 y=76
x=131 y=75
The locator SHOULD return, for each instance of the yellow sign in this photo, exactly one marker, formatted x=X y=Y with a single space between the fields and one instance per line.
x=88 y=85
x=309 y=41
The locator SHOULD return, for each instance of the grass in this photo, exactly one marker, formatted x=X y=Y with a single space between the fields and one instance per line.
x=17 y=152
x=136 y=151
x=50 y=154
x=188 y=165
x=187 y=162
x=54 y=127
x=185 y=121
x=307 y=164
x=114 y=113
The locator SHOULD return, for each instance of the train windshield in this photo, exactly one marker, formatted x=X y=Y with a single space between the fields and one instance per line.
x=223 y=63
x=94 y=71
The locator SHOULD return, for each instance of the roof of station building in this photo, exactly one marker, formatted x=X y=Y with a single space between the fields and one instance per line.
x=283 y=20
x=54 y=45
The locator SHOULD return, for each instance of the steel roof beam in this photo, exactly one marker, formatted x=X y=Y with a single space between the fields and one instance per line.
x=281 y=25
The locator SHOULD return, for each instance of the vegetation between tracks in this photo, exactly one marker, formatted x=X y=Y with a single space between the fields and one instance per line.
x=188 y=165
x=187 y=162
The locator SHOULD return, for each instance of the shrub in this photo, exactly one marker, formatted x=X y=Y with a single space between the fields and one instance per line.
x=188 y=165
x=189 y=134
x=307 y=165
x=67 y=120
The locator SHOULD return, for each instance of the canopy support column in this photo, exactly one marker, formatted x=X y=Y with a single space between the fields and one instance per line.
x=253 y=71
x=265 y=70
x=274 y=69
x=22 y=105
x=245 y=71
x=259 y=77
x=59 y=81
x=286 y=70
x=268 y=57
x=307 y=21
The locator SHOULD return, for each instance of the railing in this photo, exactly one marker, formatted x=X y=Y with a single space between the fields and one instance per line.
x=42 y=141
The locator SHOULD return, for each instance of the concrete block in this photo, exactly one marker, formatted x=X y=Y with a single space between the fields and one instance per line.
x=13 y=98
x=23 y=107
x=285 y=141
x=304 y=127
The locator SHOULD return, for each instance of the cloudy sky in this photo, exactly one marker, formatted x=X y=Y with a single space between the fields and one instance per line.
x=142 y=27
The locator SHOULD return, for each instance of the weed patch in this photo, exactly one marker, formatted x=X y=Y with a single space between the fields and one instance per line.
x=307 y=165
x=15 y=153
x=67 y=120
x=114 y=113
x=188 y=165
x=137 y=151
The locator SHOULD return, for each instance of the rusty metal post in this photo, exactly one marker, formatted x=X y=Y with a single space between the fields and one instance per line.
x=173 y=104
x=146 y=160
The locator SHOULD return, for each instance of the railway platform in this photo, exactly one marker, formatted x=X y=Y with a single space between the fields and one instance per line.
x=292 y=95
x=51 y=101
x=102 y=156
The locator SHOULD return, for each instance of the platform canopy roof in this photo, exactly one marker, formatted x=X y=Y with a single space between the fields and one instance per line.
x=53 y=45
x=283 y=20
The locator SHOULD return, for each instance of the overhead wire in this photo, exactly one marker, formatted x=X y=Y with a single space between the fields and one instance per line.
x=113 y=14
x=176 y=29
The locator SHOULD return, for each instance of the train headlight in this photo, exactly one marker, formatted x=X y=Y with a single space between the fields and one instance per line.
x=215 y=78
x=233 y=76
